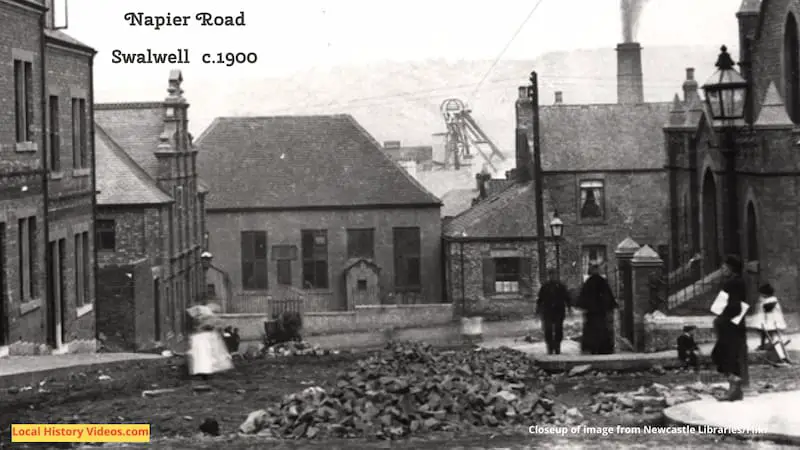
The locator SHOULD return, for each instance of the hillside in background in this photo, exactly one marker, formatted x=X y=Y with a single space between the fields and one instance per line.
x=400 y=100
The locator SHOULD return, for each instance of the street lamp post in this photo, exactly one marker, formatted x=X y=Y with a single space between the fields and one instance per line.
x=538 y=182
x=557 y=230
x=726 y=96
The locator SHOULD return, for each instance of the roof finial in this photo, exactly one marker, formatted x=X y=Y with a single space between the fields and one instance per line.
x=175 y=80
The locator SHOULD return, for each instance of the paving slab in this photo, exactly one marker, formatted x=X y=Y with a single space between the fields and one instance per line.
x=26 y=370
x=774 y=416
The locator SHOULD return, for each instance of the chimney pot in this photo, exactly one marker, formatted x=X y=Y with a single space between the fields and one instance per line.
x=690 y=73
x=523 y=92
x=559 y=97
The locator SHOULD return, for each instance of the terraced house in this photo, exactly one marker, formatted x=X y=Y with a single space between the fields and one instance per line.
x=47 y=280
x=150 y=220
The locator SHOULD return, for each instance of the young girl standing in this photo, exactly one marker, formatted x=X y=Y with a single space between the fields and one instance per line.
x=768 y=318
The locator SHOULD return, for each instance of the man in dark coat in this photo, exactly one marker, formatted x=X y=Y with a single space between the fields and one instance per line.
x=598 y=302
x=551 y=306
x=730 y=350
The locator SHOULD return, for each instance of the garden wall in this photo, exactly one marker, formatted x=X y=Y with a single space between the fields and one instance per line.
x=363 y=319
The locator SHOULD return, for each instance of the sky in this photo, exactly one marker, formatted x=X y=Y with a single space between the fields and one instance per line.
x=295 y=36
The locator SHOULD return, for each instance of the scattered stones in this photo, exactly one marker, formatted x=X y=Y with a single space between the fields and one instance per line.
x=201 y=388
x=580 y=370
x=411 y=388
x=652 y=399
x=104 y=378
x=296 y=349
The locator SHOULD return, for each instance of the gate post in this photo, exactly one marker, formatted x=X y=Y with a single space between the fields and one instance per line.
x=645 y=265
x=624 y=323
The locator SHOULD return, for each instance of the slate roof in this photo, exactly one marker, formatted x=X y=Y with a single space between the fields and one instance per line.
x=603 y=137
x=64 y=38
x=126 y=137
x=510 y=213
x=120 y=180
x=456 y=201
x=300 y=161
x=135 y=127
x=496 y=185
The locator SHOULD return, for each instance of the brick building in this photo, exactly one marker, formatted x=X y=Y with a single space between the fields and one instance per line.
x=46 y=260
x=767 y=179
x=603 y=170
x=150 y=226
x=295 y=201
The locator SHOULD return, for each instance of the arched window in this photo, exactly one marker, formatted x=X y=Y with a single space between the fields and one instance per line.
x=791 y=69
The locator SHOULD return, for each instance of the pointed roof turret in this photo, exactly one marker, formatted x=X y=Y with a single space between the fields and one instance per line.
x=750 y=7
x=773 y=110
x=676 y=114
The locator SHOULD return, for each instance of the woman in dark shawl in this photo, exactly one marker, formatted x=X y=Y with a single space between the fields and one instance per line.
x=598 y=302
x=730 y=351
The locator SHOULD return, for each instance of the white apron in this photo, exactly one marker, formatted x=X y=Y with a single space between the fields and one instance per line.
x=208 y=354
x=770 y=321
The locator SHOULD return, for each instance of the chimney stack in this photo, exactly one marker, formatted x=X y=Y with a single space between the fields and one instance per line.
x=690 y=87
x=524 y=158
x=630 y=89
x=559 y=98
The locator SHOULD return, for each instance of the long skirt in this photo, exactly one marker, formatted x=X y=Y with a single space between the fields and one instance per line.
x=730 y=351
x=598 y=336
x=208 y=354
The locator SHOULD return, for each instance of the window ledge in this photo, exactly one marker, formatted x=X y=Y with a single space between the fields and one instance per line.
x=85 y=309
x=593 y=222
x=29 y=306
x=56 y=175
x=82 y=172
x=27 y=147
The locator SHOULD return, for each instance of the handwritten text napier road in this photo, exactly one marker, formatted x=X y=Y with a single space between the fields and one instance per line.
x=139 y=19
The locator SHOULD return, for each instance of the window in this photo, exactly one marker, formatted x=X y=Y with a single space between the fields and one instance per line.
x=83 y=269
x=254 y=260
x=592 y=199
x=506 y=273
x=106 y=235
x=407 y=249
x=23 y=99
x=315 y=259
x=593 y=255
x=361 y=243
x=54 y=142
x=27 y=258
x=284 y=255
x=80 y=157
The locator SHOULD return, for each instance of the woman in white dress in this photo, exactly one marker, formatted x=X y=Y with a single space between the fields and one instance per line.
x=768 y=318
x=207 y=351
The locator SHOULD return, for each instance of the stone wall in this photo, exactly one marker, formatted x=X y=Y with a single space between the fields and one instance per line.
x=363 y=319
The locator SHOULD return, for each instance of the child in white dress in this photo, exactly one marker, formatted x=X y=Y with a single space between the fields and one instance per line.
x=768 y=318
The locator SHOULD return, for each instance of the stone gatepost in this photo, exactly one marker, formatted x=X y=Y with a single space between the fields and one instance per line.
x=645 y=266
x=623 y=325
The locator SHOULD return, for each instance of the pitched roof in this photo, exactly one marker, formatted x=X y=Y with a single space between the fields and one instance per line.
x=64 y=38
x=773 y=110
x=121 y=181
x=135 y=127
x=456 y=201
x=603 y=137
x=510 y=213
x=300 y=161
x=496 y=185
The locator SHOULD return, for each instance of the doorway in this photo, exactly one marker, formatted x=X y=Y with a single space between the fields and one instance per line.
x=56 y=251
x=157 y=308
x=711 y=256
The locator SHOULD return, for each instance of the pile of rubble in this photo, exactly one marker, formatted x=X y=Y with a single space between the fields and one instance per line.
x=409 y=388
x=299 y=348
x=653 y=398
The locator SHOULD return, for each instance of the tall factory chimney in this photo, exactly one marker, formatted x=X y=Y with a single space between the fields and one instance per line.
x=630 y=84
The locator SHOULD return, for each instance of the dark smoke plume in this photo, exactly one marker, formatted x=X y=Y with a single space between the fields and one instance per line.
x=631 y=10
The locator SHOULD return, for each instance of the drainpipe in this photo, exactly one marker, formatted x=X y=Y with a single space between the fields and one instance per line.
x=463 y=288
x=48 y=304
x=95 y=265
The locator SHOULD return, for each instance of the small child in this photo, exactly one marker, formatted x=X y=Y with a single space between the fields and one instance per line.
x=687 y=348
x=768 y=319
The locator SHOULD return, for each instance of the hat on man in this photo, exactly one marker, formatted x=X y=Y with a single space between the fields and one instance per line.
x=734 y=262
